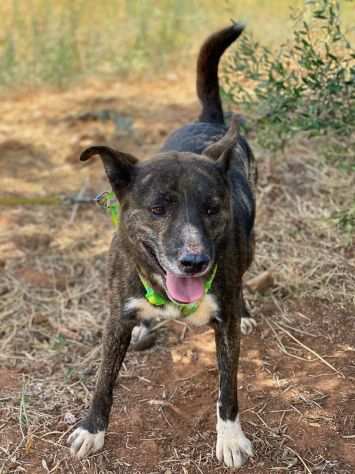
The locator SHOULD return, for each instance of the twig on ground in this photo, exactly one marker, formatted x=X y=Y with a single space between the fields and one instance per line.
x=309 y=350
x=300 y=459
x=164 y=403
x=78 y=201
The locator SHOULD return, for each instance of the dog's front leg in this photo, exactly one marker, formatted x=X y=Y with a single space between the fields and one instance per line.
x=232 y=445
x=89 y=436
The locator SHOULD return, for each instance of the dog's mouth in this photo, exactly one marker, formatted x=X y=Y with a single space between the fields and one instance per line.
x=155 y=259
x=181 y=289
x=184 y=289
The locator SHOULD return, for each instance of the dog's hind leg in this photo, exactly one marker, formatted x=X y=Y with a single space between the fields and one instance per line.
x=141 y=330
x=233 y=447
x=142 y=336
x=89 y=436
x=247 y=322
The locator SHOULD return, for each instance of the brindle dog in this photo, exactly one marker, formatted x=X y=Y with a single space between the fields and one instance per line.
x=185 y=213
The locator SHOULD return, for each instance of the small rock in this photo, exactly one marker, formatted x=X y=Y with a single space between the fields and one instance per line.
x=261 y=282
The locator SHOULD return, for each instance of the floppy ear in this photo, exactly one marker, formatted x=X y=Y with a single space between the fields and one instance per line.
x=221 y=151
x=119 y=166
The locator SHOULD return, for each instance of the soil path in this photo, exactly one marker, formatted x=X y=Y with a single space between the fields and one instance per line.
x=297 y=370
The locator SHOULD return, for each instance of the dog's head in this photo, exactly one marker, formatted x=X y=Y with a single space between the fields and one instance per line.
x=175 y=211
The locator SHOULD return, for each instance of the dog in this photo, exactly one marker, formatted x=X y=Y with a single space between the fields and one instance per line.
x=184 y=240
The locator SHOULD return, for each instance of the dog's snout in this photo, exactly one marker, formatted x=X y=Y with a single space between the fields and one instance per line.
x=193 y=262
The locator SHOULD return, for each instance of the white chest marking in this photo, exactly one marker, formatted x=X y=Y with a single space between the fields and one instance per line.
x=207 y=309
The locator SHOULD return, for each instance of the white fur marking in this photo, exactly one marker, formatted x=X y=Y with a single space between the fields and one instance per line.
x=203 y=315
x=146 y=178
x=232 y=447
x=205 y=312
x=139 y=332
x=147 y=311
x=247 y=325
x=84 y=443
x=192 y=236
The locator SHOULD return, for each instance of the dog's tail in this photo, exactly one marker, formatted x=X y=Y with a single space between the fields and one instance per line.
x=207 y=72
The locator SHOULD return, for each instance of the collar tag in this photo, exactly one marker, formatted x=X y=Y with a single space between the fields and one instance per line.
x=108 y=201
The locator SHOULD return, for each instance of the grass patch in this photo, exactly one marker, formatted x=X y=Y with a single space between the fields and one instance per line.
x=50 y=42
x=55 y=42
x=345 y=220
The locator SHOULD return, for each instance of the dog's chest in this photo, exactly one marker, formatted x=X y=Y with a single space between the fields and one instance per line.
x=206 y=311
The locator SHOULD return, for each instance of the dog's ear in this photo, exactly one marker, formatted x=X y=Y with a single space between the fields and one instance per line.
x=119 y=166
x=221 y=151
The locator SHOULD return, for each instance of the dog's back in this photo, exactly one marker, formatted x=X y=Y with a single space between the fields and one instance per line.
x=210 y=127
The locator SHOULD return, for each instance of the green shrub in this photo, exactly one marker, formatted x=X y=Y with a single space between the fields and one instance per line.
x=306 y=85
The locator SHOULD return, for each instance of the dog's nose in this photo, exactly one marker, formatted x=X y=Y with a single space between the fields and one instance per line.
x=194 y=262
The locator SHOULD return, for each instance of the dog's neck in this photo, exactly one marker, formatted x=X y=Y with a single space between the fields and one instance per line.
x=156 y=298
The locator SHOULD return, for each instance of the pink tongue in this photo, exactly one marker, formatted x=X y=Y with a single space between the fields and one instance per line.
x=184 y=290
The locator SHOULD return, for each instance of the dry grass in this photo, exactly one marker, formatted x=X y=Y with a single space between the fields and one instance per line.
x=56 y=42
x=309 y=253
x=51 y=42
x=297 y=371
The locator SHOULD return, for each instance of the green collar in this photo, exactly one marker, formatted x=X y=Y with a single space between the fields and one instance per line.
x=186 y=309
x=108 y=201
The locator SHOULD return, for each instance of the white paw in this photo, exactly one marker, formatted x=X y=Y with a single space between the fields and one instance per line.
x=247 y=325
x=139 y=332
x=233 y=447
x=83 y=443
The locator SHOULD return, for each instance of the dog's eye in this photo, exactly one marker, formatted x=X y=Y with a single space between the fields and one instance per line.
x=158 y=210
x=212 y=210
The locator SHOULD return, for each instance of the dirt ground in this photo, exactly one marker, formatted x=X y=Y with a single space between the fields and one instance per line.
x=297 y=370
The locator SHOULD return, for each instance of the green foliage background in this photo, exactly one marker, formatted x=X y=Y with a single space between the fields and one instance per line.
x=305 y=85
